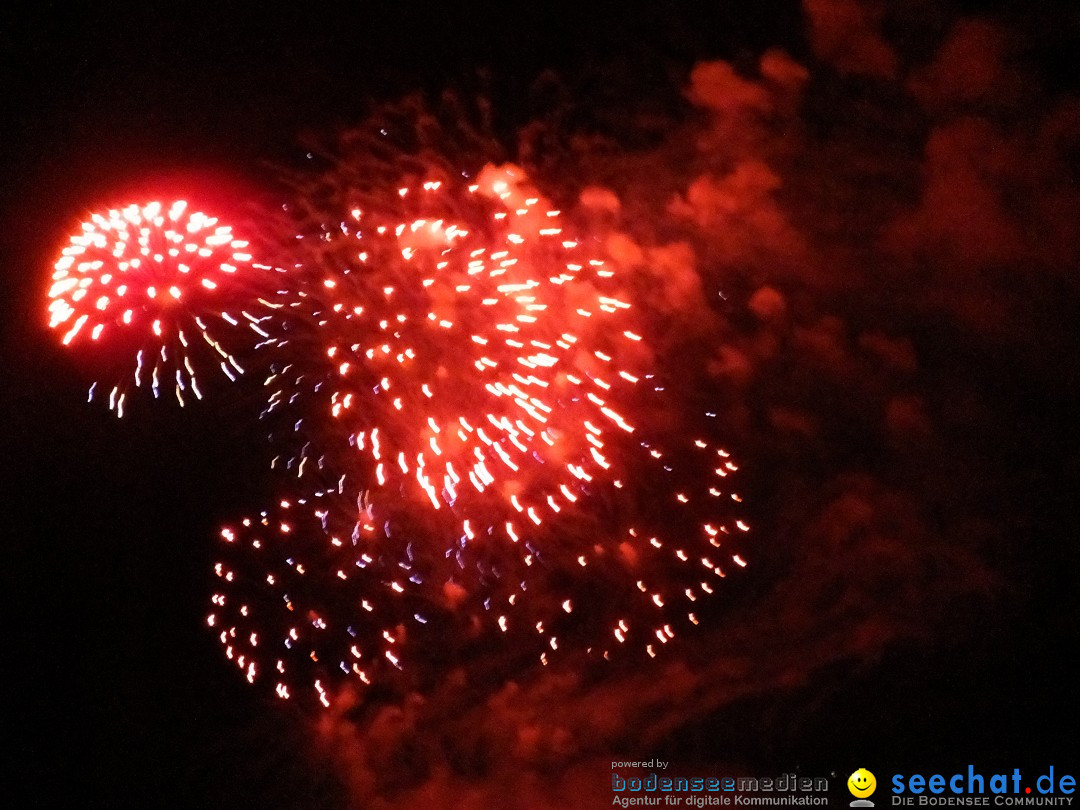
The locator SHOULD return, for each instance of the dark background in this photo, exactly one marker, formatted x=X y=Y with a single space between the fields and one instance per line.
x=116 y=694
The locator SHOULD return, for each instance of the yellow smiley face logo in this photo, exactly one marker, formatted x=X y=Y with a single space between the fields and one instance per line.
x=861 y=783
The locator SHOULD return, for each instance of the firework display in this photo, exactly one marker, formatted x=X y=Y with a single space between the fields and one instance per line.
x=165 y=281
x=480 y=457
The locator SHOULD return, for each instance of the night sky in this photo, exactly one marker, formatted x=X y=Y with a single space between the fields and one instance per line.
x=881 y=211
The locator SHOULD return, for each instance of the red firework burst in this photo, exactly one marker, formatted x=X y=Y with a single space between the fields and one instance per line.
x=164 y=281
x=461 y=374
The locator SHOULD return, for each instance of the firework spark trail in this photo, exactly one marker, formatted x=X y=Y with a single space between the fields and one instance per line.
x=462 y=389
x=170 y=281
